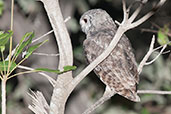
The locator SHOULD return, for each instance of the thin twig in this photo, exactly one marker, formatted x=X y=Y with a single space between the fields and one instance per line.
x=166 y=52
x=36 y=39
x=148 y=63
x=149 y=30
x=142 y=63
x=125 y=13
x=134 y=15
x=45 y=54
x=154 y=92
x=17 y=74
x=44 y=35
x=51 y=80
x=98 y=103
x=151 y=50
x=148 y=15
x=11 y=28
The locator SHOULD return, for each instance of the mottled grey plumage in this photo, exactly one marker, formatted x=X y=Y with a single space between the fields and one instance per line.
x=118 y=71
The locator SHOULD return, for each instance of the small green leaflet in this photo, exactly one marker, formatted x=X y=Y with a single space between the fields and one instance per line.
x=23 y=43
x=4 y=65
x=66 y=69
x=4 y=37
x=162 y=36
x=33 y=48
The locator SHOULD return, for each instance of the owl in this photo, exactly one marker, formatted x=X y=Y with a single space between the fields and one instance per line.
x=119 y=70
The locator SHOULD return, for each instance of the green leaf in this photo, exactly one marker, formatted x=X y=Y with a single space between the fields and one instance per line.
x=66 y=69
x=27 y=35
x=4 y=37
x=33 y=48
x=23 y=43
x=4 y=65
x=162 y=36
x=69 y=68
x=47 y=70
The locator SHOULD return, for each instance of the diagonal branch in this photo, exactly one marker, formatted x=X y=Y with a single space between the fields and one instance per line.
x=148 y=15
x=142 y=63
x=151 y=50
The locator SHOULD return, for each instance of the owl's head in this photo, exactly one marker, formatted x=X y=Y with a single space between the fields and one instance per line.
x=94 y=19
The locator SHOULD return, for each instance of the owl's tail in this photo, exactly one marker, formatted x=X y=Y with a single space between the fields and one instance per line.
x=130 y=95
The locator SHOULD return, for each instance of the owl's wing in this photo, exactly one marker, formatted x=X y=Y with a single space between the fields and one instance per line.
x=118 y=70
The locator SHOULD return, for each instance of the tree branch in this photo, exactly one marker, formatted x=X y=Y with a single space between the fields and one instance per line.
x=142 y=63
x=151 y=50
x=164 y=47
x=60 y=92
x=154 y=92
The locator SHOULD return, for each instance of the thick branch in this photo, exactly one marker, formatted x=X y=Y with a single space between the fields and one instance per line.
x=60 y=93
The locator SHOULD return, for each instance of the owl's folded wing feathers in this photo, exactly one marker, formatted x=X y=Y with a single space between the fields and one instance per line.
x=118 y=70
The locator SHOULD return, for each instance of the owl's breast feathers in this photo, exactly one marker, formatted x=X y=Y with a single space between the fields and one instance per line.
x=118 y=70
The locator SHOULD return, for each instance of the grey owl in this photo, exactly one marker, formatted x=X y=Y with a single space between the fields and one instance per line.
x=119 y=70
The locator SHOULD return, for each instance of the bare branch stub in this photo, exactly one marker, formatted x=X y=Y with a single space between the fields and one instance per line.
x=39 y=103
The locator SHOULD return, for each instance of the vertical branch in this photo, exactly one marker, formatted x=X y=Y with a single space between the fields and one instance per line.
x=3 y=96
x=60 y=92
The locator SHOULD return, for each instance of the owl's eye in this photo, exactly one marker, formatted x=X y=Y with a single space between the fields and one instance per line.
x=85 y=20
